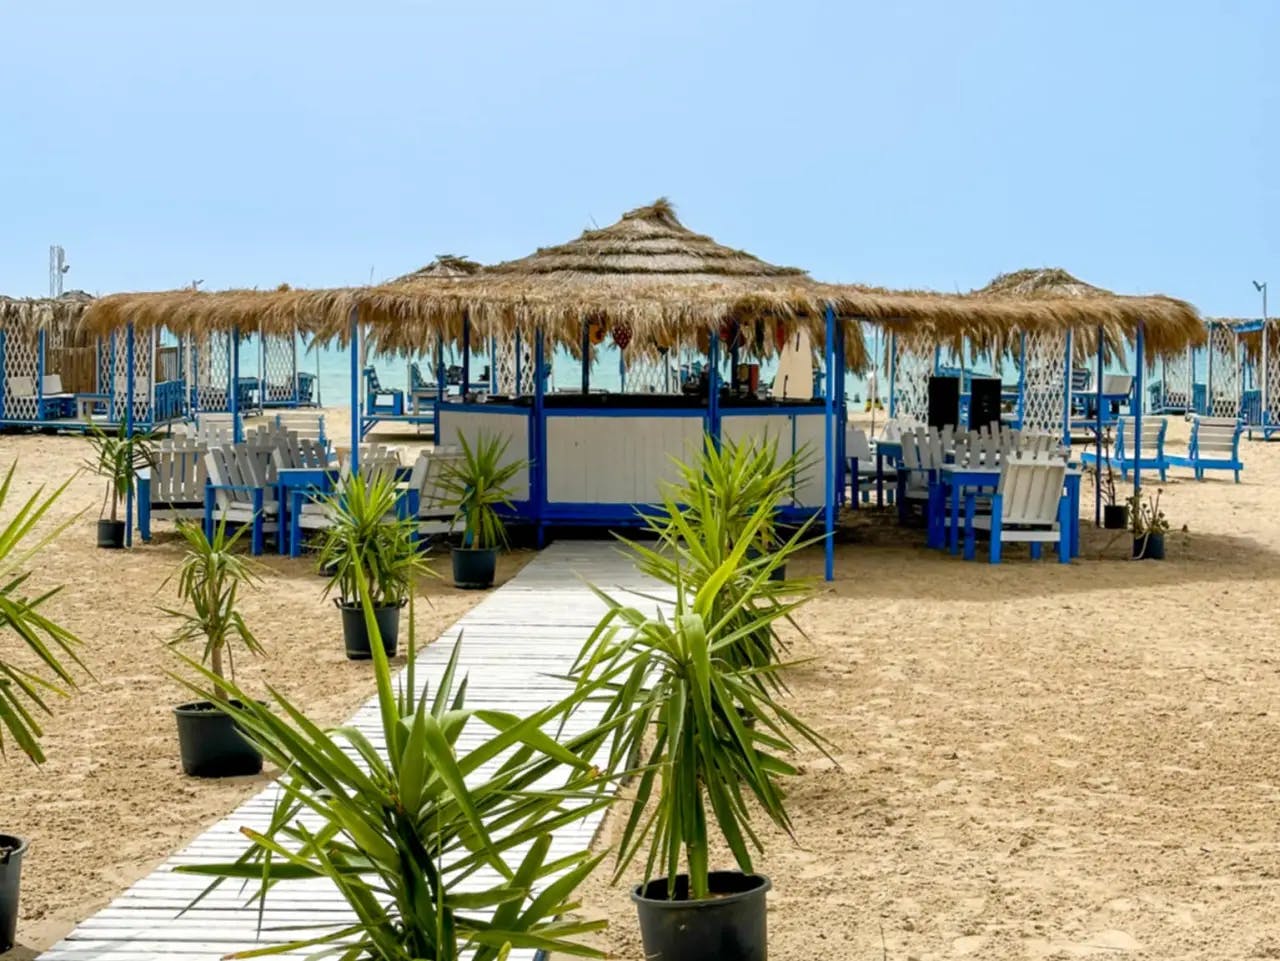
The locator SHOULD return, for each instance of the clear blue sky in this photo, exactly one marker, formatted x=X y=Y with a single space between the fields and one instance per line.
x=932 y=144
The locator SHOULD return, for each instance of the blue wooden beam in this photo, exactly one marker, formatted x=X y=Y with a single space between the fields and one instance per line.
x=357 y=415
x=828 y=467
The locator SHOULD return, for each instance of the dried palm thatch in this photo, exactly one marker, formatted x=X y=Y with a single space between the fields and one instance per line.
x=667 y=283
x=445 y=265
x=1169 y=325
x=36 y=313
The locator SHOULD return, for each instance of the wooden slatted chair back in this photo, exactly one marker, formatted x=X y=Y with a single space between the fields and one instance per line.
x=306 y=424
x=178 y=471
x=1031 y=488
x=1215 y=435
x=51 y=385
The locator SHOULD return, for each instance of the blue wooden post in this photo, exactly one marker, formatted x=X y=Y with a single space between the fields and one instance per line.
x=40 y=344
x=441 y=374
x=519 y=365
x=1097 y=427
x=1139 y=360
x=538 y=439
x=357 y=416
x=842 y=408
x=893 y=375
x=128 y=432
x=713 y=388
x=622 y=371
x=586 y=358
x=1066 y=394
x=466 y=356
x=829 y=454
x=237 y=433
x=493 y=365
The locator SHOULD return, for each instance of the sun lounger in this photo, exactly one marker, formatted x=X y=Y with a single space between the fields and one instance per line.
x=1214 y=445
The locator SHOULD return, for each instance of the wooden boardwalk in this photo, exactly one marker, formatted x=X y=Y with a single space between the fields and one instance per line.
x=530 y=628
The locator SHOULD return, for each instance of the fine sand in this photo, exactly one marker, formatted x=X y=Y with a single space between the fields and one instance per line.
x=1032 y=761
x=1035 y=761
x=111 y=803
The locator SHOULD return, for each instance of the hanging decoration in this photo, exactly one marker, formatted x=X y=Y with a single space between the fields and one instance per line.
x=596 y=331
x=622 y=334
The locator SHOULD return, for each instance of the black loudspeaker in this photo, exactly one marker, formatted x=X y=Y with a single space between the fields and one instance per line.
x=984 y=402
x=944 y=402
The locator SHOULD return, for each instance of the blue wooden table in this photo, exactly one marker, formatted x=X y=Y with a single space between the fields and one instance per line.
x=947 y=488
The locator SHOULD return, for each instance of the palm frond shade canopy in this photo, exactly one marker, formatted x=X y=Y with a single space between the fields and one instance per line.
x=667 y=283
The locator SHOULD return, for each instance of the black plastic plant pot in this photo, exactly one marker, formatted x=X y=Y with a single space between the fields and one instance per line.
x=11 y=851
x=728 y=926
x=779 y=573
x=356 y=634
x=211 y=744
x=474 y=568
x=1148 y=547
x=1115 y=517
x=111 y=534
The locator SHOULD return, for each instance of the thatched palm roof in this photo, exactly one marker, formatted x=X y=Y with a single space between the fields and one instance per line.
x=30 y=313
x=445 y=265
x=1168 y=324
x=668 y=284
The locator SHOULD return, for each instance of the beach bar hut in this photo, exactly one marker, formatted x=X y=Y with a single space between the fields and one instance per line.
x=58 y=375
x=599 y=458
x=1065 y=324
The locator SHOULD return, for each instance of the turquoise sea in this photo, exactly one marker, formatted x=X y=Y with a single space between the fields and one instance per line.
x=334 y=370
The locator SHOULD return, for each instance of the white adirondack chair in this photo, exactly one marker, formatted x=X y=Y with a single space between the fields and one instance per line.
x=434 y=517
x=234 y=495
x=1029 y=505
x=862 y=462
x=173 y=486
x=305 y=424
x=314 y=512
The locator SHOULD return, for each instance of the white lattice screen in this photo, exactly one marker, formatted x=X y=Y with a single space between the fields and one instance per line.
x=1044 y=390
x=1224 y=372
x=279 y=368
x=1175 y=380
x=20 y=350
x=1273 y=373
x=143 y=352
x=650 y=374
x=211 y=356
x=912 y=368
x=506 y=363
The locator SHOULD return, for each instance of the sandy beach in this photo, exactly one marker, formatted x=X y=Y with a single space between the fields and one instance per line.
x=1033 y=761
x=111 y=803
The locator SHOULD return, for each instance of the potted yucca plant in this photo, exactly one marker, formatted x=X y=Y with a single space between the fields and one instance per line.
x=209 y=582
x=473 y=487
x=727 y=484
x=117 y=458
x=27 y=682
x=1149 y=525
x=680 y=691
x=1115 y=515
x=440 y=842
x=370 y=536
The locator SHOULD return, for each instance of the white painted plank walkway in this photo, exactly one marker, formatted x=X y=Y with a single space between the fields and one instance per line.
x=531 y=627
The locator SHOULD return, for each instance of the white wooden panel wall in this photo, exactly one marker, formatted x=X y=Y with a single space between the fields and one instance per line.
x=616 y=460
x=805 y=428
x=471 y=423
x=811 y=434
